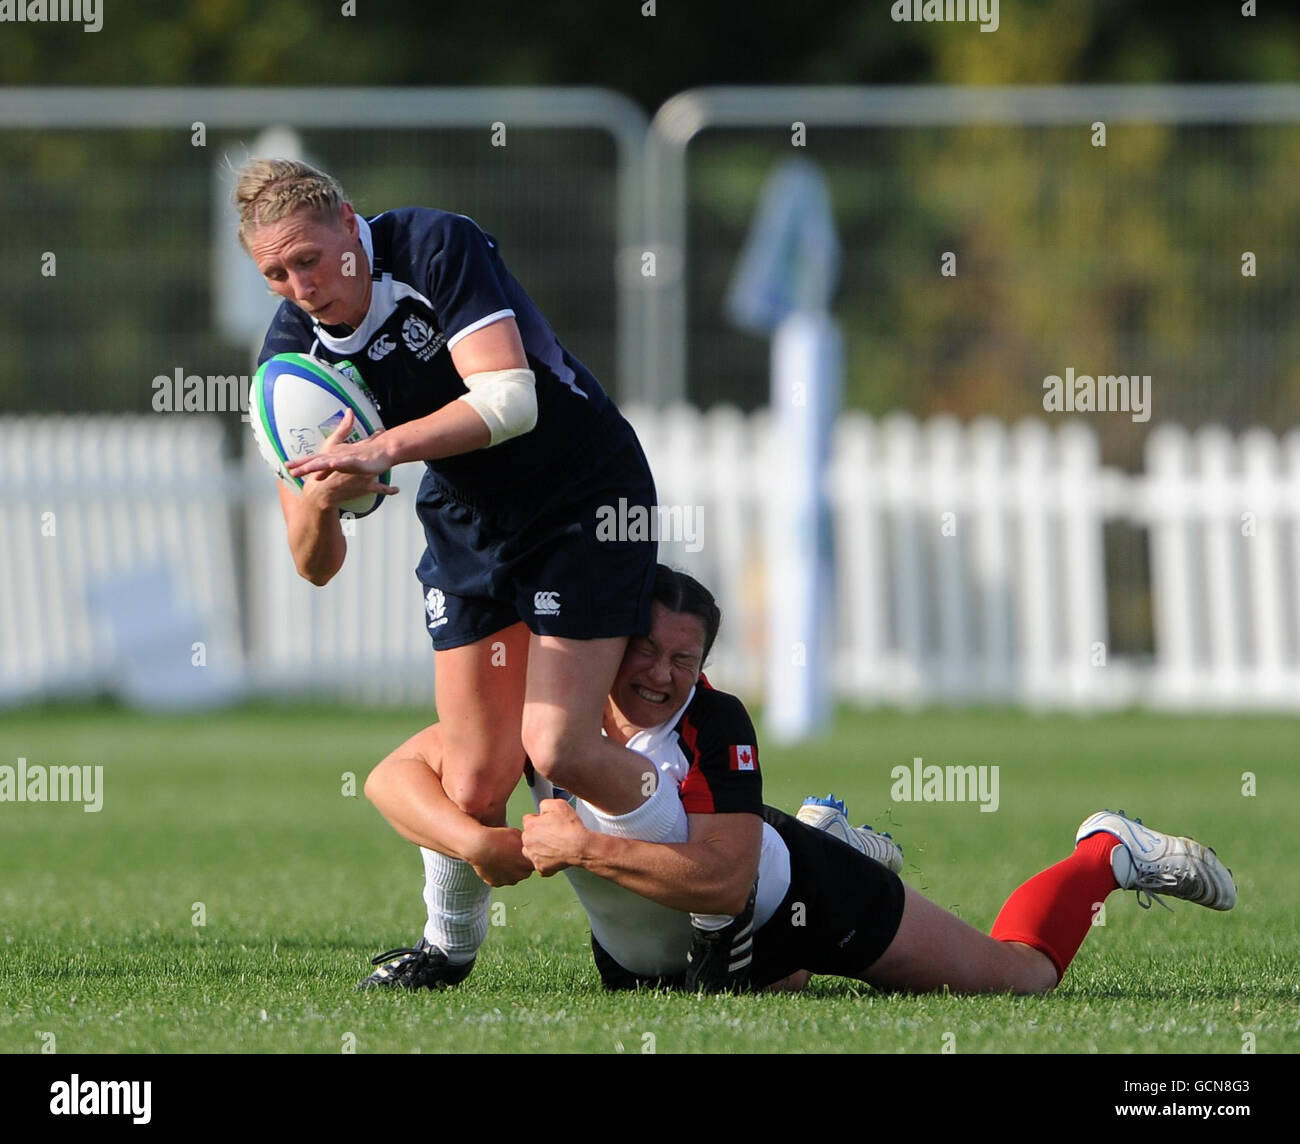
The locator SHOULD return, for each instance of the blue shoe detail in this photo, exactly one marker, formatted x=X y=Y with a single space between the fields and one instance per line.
x=830 y=800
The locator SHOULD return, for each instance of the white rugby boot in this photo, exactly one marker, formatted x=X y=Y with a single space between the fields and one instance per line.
x=829 y=814
x=1154 y=864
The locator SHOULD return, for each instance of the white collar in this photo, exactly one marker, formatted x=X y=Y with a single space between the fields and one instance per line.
x=363 y=228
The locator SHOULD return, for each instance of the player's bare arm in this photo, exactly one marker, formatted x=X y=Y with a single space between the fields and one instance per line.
x=311 y=515
x=454 y=429
x=406 y=788
x=711 y=873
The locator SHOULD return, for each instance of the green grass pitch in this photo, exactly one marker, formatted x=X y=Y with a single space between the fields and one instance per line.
x=244 y=812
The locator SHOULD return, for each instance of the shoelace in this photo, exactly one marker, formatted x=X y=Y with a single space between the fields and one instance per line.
x=392 y=953
x=1155 y=897
x=1152 y=898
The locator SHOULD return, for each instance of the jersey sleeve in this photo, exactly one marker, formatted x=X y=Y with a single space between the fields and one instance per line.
x=286 y=335
x=463 y=279
x=722 y=749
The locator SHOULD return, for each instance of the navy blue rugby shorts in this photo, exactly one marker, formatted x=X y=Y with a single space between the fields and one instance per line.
x=552 y=561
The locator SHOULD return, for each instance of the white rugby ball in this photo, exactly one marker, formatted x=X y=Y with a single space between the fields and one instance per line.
x=296 y=402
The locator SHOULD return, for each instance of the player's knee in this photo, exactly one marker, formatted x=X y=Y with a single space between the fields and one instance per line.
x=1033 y=988
x=479 y=777
x=551 y=746
x=1033 y=972
x=479 y=797
x=489 y=811
x=483 y=806
x=1044 y=982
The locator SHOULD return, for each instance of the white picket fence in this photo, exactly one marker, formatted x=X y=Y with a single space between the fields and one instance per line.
x=363 y=634
x=117 y=560
x=1224 y=516
x=969 y=565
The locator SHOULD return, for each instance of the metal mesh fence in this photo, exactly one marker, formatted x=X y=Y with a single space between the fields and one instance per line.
x=1123 y=259
x=128 y=216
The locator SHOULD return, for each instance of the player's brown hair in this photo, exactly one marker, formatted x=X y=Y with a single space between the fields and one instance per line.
x=685 y=595
x=267 y=190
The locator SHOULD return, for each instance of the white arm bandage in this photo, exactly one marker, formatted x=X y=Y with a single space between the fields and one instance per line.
x=506 y=399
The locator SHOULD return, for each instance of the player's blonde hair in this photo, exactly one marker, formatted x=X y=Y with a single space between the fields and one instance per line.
x=267 y=190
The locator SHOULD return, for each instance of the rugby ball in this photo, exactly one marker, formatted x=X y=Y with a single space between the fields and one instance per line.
x=296 y=402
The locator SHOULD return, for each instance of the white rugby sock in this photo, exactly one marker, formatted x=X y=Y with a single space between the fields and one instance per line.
x=655 y=820
x=457 y=901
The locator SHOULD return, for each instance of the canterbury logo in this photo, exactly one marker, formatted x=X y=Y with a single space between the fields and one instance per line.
x=381 y=347
x=546 y=603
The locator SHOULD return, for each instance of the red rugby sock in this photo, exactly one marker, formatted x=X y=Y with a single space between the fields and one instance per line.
x=1053 y=911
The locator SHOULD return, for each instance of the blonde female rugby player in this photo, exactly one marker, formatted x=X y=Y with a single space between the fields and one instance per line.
x=529 y=612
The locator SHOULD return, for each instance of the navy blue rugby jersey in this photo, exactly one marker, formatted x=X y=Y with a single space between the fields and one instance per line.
x=435 y=278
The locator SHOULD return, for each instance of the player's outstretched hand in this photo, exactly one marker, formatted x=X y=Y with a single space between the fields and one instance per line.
x=368 y=457
x=333 y=489
x=500 y=860
x=553 y=837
